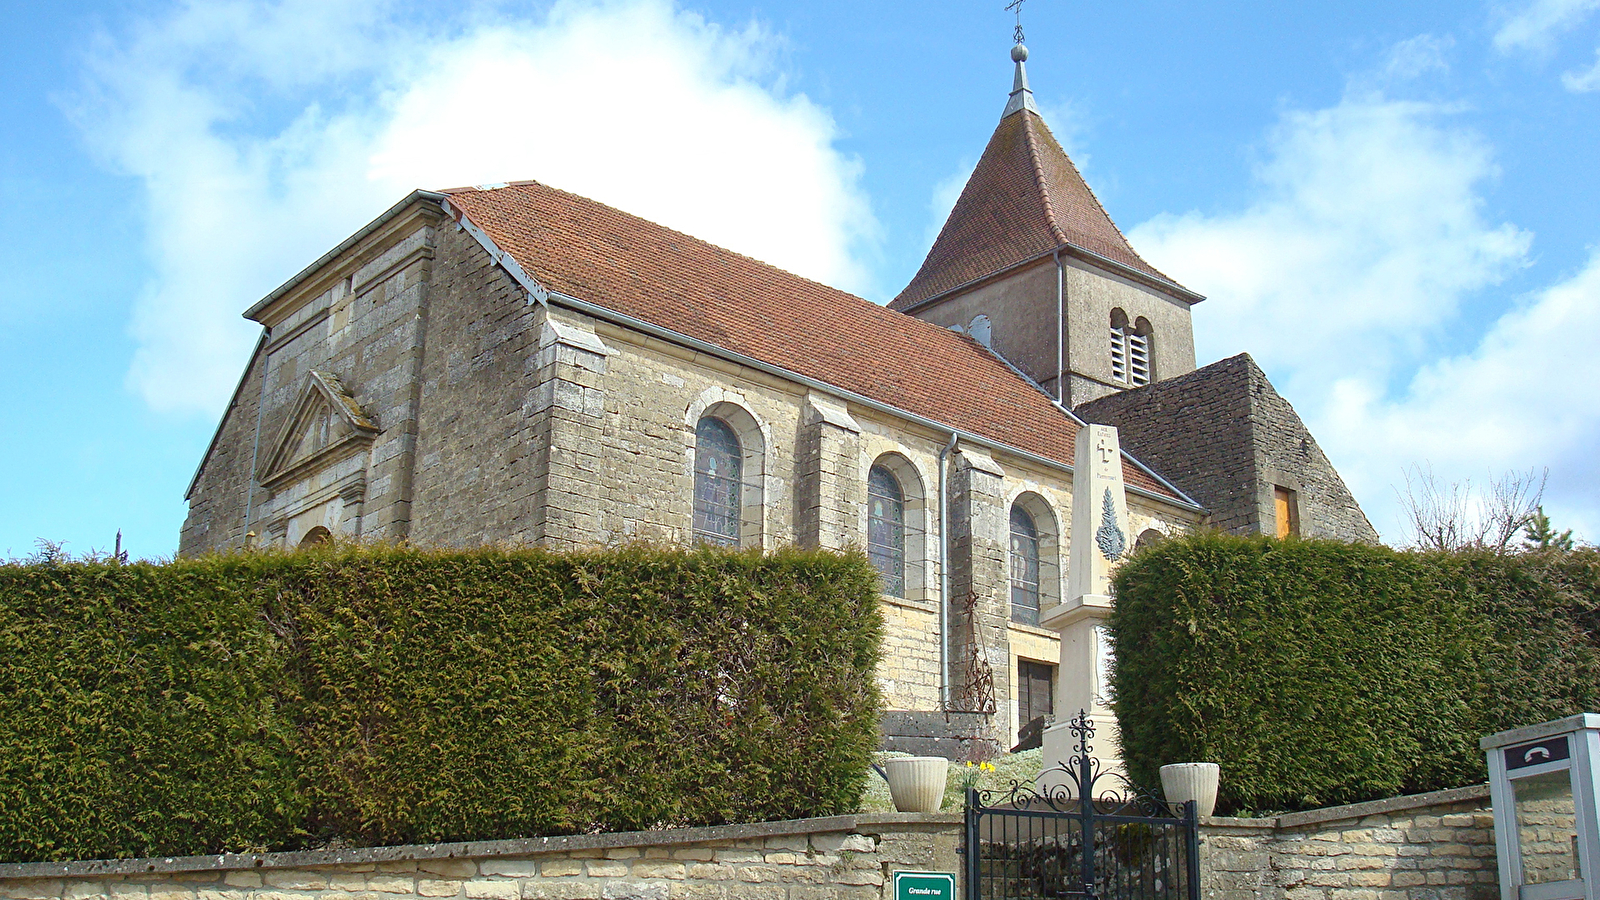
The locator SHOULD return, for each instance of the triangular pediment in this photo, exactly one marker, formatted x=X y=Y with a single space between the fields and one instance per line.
x=325 y=424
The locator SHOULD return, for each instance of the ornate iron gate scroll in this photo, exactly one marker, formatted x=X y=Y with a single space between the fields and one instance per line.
x=1077 y=839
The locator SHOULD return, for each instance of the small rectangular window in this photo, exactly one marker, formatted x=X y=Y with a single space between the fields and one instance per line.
x=1286 y=509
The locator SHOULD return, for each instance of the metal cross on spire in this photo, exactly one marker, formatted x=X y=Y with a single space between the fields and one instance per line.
x=1016 y=7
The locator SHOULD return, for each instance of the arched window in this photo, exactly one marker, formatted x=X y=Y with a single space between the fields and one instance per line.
x=886 y=529
x=1130 y=349
x=317 y=535
x=718 y=478
x=1024 y=567
x=1148 y=538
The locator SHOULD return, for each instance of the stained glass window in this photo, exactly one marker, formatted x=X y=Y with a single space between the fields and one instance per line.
x=886 y=529
x=717 y=483
x=1024 y=568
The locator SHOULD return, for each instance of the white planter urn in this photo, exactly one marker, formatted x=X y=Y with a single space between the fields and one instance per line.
x=916 y=783
x=1181 y=782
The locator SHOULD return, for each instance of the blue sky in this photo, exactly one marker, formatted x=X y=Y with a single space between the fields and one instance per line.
x=1389 y=205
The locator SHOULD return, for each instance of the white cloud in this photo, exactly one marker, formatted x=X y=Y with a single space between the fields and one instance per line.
x=1346 y=273
x=1583 y=80
x=1418 y=56
x=1522 y=399
x=1366 y=234
x=264 y=132
x=1536 y=26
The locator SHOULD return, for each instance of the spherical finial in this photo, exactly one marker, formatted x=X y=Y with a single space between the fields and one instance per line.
x=1019 y=53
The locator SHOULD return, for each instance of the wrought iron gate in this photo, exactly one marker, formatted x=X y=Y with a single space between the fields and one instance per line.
x=1071 y=838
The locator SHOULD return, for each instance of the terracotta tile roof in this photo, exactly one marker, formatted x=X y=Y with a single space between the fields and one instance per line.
x=585 y=249
x=1025 y=198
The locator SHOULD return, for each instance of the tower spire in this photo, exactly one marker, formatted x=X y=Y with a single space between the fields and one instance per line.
x=1021 y=94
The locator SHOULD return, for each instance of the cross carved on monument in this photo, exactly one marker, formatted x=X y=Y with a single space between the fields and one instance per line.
x=1103 y=447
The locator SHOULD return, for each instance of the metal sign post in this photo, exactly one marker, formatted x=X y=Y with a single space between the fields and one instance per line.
x=924 y=886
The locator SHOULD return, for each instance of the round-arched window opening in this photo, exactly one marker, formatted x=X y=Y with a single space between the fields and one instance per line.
x=316 y=536
x=886 y=529
x=718 y=480
x=1131 y=344
x=1024 y=567
x=1148 y=538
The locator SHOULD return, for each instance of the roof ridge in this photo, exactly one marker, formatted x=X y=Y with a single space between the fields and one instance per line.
x=529 y=182
x=1039 y=182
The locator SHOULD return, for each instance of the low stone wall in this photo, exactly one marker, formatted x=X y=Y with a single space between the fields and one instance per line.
x=1437 y=846
x=843 y=857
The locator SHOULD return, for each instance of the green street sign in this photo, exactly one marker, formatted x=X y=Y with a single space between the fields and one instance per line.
x=924 y=886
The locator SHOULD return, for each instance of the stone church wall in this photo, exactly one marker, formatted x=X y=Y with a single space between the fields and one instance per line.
x=1020 y=309
x=1091 y=296
x=1226 y=438
x=1196 y=431
x=506 y=421
x=361 y=317
x=368 y=329
x=217 y=500
x=475 y=447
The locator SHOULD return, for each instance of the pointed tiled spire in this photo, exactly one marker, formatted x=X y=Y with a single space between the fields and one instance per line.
x=1024 y=199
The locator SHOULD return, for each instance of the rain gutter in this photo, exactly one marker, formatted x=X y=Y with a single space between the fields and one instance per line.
x=1177 y=291
x=1061 y=331
x=944 y=575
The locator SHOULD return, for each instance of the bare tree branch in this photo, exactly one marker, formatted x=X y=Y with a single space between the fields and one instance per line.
x=1456 y=517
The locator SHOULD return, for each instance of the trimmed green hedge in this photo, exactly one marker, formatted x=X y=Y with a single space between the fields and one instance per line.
x=375 y=696
x=1320 y=672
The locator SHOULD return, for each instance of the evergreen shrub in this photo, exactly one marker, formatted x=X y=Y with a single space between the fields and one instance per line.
x=395 y=695
x=1320 y=672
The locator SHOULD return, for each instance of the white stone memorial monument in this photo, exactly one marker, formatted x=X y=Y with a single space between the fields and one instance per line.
x=1099 y=541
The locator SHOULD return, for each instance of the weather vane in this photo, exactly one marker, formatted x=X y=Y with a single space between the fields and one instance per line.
x=1016 y=7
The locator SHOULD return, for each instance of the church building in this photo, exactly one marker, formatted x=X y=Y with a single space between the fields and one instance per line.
x=514 y=364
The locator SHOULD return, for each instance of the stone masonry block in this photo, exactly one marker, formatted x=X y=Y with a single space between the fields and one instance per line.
x=295 y=881
x=651 y=868
x=561 y=890
x=509 y=868
x=628 y=890
x=836 y=842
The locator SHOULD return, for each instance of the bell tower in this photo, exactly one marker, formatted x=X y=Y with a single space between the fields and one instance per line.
x=1030 y=265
